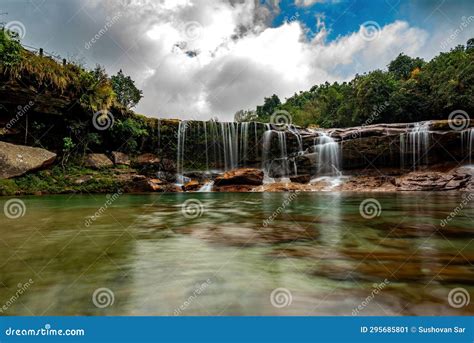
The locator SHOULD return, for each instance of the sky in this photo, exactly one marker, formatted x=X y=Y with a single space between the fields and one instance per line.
x=200 y=59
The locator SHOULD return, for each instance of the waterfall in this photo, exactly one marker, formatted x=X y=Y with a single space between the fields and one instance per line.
x=276 y=165
x=207 y=187
x=416 y=143
x=467 y=141
x=230 y=144
x=244 y=141
x=181 y=144
x=299 y=139
x=206 y=146
x=329 y=155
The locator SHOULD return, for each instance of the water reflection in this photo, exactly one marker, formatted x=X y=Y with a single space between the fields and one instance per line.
x=228 y=259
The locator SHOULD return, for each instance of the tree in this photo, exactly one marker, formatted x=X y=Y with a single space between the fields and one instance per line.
x=124 y=87
x=269 y=106
x=245 y=116
x=403 y=65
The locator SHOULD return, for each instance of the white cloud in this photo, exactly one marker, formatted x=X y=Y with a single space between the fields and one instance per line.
x=238 y=59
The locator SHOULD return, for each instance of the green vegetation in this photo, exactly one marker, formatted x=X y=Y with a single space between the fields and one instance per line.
x=56 y=181
x=124 y=87
x=71 y=129
x=410 y=90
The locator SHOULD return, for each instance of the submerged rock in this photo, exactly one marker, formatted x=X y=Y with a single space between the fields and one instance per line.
x=240 y=235
x=16 y=160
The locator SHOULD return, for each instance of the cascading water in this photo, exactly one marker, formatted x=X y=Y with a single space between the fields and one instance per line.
x=274 y=165
x=180 y=157
x=299 y=139
x=467 y=138
x=329 y=156
x=415 y=143
x=244 y=141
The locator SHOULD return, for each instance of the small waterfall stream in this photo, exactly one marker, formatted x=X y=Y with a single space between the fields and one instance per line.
x=415 y=144
x=467 y=141
x=329 y=156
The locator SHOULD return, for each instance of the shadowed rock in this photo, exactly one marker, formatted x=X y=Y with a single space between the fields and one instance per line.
x=16 y=160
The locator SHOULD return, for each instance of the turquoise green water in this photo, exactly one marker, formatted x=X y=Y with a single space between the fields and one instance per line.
x=228 y=252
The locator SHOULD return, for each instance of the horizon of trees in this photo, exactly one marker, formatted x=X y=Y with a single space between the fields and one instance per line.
x=411 y=89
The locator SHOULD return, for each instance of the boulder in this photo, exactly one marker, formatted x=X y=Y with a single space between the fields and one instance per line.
x=147 y=159
x=192 y=186
x=16 y=160
x=119 y=158
x=305 y=178
x=432 y=181
x=97 y=161
x=243 y=176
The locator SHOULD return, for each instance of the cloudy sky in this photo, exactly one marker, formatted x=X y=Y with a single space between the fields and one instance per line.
x=196 y=59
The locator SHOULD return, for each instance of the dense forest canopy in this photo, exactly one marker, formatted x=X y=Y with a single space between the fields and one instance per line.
x=409 y=90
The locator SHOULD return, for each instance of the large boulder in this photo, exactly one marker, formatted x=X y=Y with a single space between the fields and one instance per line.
x=119 y=158
x=432 y=181
x=243 y=176
x=97 y=161
x=16 y=160
x=147 y=159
